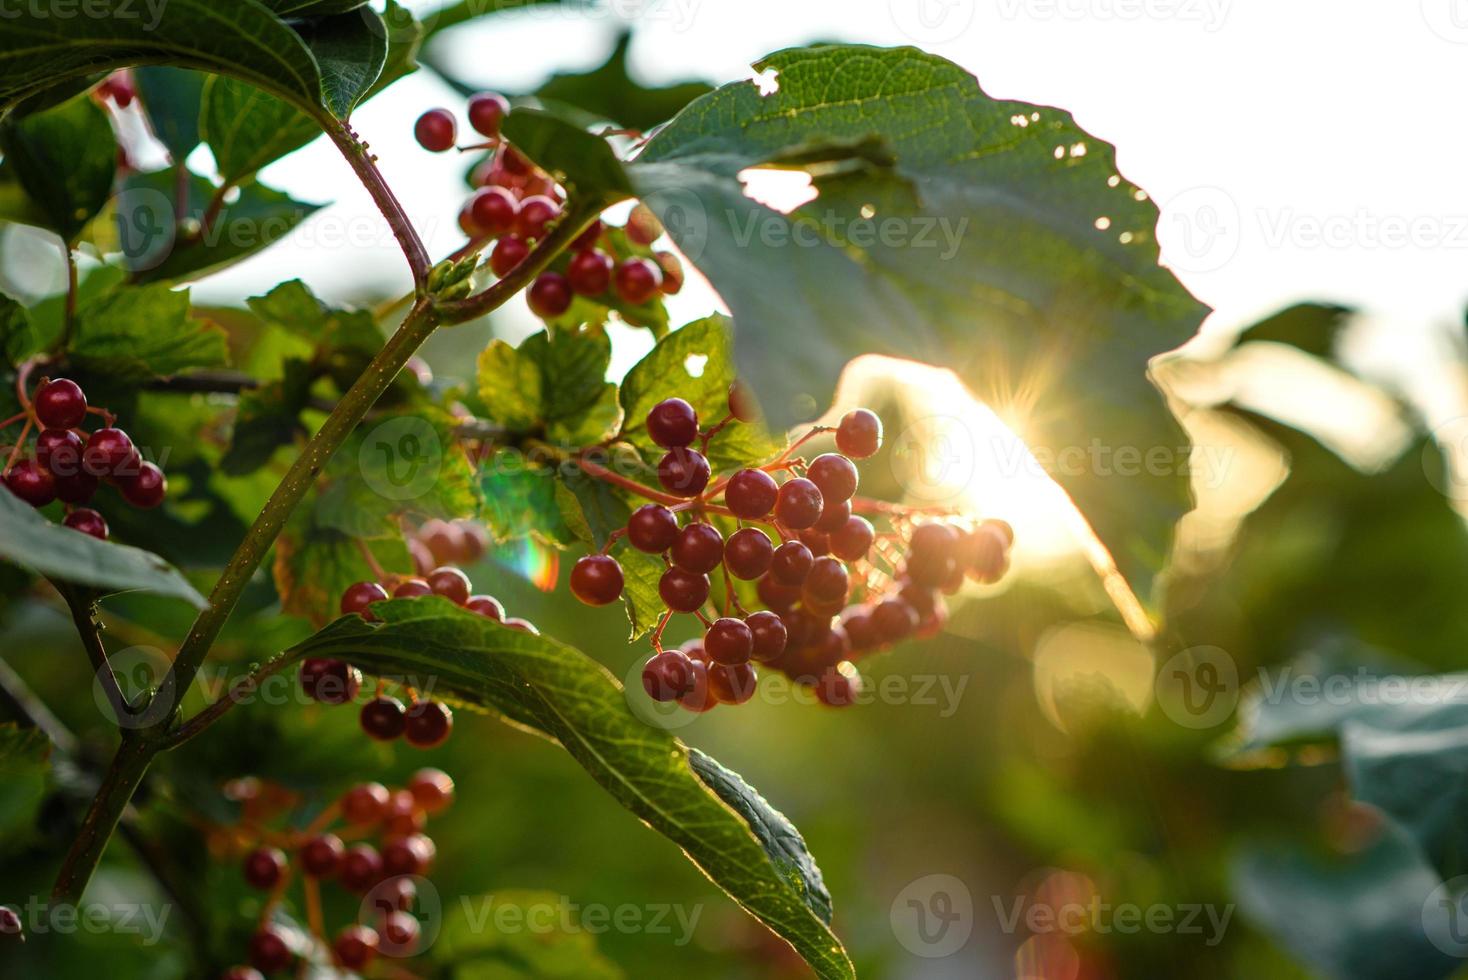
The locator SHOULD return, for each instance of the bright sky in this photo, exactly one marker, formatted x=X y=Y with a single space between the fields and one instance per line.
x=1300 y=149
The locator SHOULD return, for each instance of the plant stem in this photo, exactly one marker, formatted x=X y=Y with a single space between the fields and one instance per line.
x=365 y=166
x=238 y=691
x=86 y=627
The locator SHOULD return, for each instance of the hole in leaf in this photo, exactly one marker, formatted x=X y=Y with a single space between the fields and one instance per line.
x=782 y=190
x=768 y=81
x=694 y=364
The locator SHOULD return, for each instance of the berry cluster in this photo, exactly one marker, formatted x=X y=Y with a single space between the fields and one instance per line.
x=515 y=202
x=67 y=463
x=808 y=628
x=383 y=871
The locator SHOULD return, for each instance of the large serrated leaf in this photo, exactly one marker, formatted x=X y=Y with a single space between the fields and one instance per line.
x=554 y=690
x=59 y=553
x=66 y=159
x=993 y=237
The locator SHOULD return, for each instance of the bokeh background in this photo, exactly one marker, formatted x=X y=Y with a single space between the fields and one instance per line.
x=1026 y=758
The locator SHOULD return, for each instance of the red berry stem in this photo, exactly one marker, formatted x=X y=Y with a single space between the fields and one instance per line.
x=598 y=472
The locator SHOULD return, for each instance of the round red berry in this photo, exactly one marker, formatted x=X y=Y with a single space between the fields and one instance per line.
x=412 y=588
x=410 y=855
x=729 y=641
x=894 y=619
x=330 y=681
x=748 y=553
x=767 y=635
x=684 y=472
x=742 y=403
x=536 y=214
x=436 y=130
x=60 y=404
x=110 y=452
x=597 y=580
x=523 y=625
x=432 y=789
x=321 y=855
x=146 y=489
x=751 y=494
x=60 y=451
x=861 y=629
x=487 y=606
x=932 y=554
x=682 y=590
x=827 y=582
x=31 y=482
x=698 y=548
x=486 y=111
x=791 y=563
x=732 y=683
x=269 y=951
x=672 y=270
x=590 y=272
x=643 y=227
x=550 y=295
x=667 y=676
x=859 y=434
x=450 y=583
x=853 y=540
x=698 y=697
x=428 y=724
x=835 y=474
x=589 y=238
x=237 y=972
x=78 y=488
x=508 y=253
x=382 y=718
x=834 y=515
x=361 y=869
x=365 y=803
x=356 y=947
x=672 y=423
x=360 y=596
x=494 y=211
x=776 y=596
x=264 y=867
x=652 y=528
x=837 y=688
x=87 y=521
x=637 y=280
x=799 y=504
x=400 y=933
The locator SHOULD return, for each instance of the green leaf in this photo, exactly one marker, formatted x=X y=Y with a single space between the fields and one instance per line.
x=312 y=8
x=156 y=247
x=24 y=761
x=584 y=162
x=242 y=38
x=479 y=949
x=247 y=128
x=17 y=334
x=315 y=564
x=172 y=99
x=351 y=50
x=992 y=237
x=267 y=418
x=143 y=332
x=554 y=382
x=520 y=500
x=641 y=573
x=1312 y=327
x=549 y=688
x=704 y=345
x=593 y=508
x=610 y=93
x=64 y=555
x=66 y=159
x=294 y=308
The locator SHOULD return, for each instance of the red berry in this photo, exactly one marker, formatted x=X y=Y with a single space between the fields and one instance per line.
x=643 y=227
x=361 y=595
x=432 y=789
x=894 y=619
x=742 y=403
x=60 y=451
x=672 y=423
x=589 y=238
x=667 y=676
x=11 y=928
x=321 y=855
x=330 y=681
x=799 y=504
x=410 y=855
x=110 y=452
x=834 y=515
x=837 y=688
x=436 y=130
x=859 y=434
x=672 y=270
x=486 y=111
x=365 y=803
x=31 y=482
x=536 y=214
x=514 y=162
x=801 y=627
x=356 y=947
x=269 y=951
x=77 y=488
x=450 y=583
x=487 y=606
x=494 y=210
x=729 y=641
x=684 y=472
x=768 y=636
x=985 y=551
x=776 y=596
x=146 y=489
x=237 y=972
x=590 y=272
x=652 y=528
x=469 y=223
x=932 y=554
x=682 y=590
x=508 y=253
x=382 y=718
x=60 y=404
x=403 y=816
x=400 y=933
x=264 y=867
x=698 y=697
x=550 y=295
x=748 y=553
x=699 y=548
x=853 y=539
x=861 y=629
x=361 y=869
x=88 y=522
x=827 y=582
x=638 y=281
x=834 y=474
x=412 y=588
x=816 y=540
x=791 y=564
x=597 y=580
x=751 y=494
x=429 y=724
x=732 y=684
x=523 y=625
